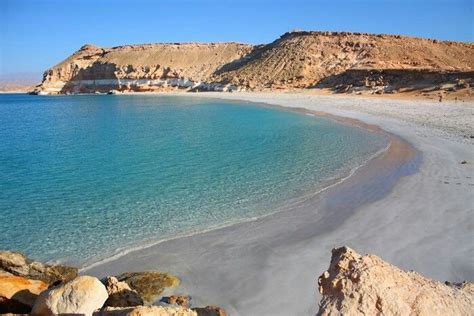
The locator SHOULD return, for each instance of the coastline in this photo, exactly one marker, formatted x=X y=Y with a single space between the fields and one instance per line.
x=419 y=221
x=396 y=150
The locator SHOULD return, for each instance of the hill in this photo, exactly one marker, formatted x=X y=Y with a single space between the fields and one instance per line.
x=340 y=61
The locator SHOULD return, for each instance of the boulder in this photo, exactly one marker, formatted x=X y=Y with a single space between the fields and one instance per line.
x=18 y=294
x=210 y=310
x=146 y=311
x=150 y=285
x=83 y=295
x=120 y=294
x=16 y=263
x=367 y=285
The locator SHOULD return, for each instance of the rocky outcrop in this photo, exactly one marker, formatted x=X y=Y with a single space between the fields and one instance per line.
x=295 y=60
x=367 y=285
x=83 y=295
x=120 y=294
x=18 y=294
x=147 y=311
x=150 y=285
x=15 y=263
x=86 y=295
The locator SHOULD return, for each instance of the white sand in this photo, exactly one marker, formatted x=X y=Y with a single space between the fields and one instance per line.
x=424 y=222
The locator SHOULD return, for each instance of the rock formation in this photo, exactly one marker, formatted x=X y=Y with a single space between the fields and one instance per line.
x=24 y=289
x=139 y=67
x=180 y=300
x=150 y=285
x=19 y=294
x=341 y=61
x=353 y=285
x=304 y=59
x=367 y=285
x=210 y=311
x=15 y=263
x=120 y=294
x=83 y=295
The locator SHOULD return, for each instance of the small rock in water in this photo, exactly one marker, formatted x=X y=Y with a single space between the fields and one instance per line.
x=463 y=162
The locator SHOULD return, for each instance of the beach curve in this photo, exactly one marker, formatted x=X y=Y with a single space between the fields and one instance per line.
x=294 y=245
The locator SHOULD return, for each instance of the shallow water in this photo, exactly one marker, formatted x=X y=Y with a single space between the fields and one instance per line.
x=84 y=176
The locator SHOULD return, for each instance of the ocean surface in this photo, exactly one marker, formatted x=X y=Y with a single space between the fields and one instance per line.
x=85 y=177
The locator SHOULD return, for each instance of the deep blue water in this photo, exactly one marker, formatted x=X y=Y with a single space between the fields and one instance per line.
x=82 y=176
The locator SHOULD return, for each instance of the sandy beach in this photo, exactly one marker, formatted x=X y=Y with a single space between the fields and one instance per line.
x=415 y=212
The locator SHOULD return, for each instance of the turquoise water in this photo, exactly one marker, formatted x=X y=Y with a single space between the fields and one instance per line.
x=82 y=177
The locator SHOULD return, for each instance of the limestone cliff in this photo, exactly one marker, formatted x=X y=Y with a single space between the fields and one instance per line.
x=139 y=67
x=367 y=285
x=341 y=61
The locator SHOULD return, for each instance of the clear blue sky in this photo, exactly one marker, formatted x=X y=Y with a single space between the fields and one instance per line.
x=37 y=34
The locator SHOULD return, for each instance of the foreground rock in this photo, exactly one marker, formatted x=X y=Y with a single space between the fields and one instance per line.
x=146 y=311
x=120 y=294
x=367 y=285
x=150 y=285
x=83 y=295
x=180 y=300
x=18 y=295
x=15 y=263
x=210 y=311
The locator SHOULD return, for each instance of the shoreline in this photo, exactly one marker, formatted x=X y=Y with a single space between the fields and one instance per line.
x=394 y=146
x=418 y=222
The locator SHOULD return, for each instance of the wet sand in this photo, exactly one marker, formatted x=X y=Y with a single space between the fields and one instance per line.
x=412 y=205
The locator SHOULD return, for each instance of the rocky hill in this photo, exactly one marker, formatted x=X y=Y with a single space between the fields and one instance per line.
x=340 y=61
x=139 y=67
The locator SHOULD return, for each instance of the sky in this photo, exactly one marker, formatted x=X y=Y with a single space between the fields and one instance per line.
x=36 y=34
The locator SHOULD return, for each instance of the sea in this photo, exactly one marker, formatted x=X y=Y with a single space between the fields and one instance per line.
x=85 y=177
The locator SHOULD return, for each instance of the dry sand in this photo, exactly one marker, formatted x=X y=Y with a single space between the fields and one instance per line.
x=416 y=214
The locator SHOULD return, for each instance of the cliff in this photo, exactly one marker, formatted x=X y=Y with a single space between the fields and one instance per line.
x=341 y=61
x=139 y=67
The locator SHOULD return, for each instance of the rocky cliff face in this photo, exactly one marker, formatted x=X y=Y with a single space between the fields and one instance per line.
x=139 y=67
x=295 y=60
x=367 y=285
